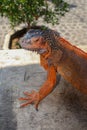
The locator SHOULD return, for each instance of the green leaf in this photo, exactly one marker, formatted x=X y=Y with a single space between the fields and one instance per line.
x=28 y=11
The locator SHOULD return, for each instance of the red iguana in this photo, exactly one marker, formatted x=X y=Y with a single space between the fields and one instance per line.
x=57 y=56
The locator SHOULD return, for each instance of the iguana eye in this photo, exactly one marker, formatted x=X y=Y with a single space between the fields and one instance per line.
x=37 y=40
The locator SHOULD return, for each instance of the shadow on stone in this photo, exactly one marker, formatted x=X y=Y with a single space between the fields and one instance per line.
x=76 y=103
x=65 y=108
x=71 y=6
x=7 y=116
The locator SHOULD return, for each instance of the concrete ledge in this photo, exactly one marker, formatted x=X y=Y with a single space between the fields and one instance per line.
x=64 y=109
x=17 y=57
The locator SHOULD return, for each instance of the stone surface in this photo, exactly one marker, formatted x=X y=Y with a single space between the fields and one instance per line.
x=64 y=109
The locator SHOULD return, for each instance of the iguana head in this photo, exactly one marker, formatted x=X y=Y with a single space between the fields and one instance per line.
x=37 y=39
x=34 y=41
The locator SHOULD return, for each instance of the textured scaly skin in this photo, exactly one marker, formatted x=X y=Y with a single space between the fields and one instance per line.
x=63 y=58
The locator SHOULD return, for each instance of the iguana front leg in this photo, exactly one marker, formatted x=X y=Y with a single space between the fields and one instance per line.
x=47 y=87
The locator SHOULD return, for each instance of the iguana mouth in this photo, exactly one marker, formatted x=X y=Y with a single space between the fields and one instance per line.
x=37 y=50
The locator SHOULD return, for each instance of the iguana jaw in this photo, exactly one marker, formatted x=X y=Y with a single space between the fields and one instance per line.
x=34 y=45
x=38 y=51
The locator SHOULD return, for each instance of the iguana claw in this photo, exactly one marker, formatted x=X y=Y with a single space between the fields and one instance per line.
x=31 y=98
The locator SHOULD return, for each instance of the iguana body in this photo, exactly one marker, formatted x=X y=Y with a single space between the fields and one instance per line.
x=57 y=56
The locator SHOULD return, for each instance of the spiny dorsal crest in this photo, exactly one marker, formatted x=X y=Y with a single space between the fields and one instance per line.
x=50 y=36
